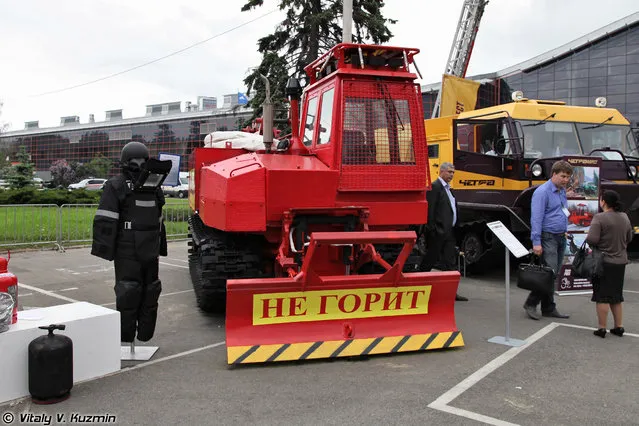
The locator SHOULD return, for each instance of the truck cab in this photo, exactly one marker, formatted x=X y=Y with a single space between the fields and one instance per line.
x=502 y=153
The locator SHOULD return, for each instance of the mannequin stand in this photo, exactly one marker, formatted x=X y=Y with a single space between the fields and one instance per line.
x=141 y=353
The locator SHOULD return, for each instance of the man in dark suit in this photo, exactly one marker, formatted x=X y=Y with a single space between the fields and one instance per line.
x=442 y=218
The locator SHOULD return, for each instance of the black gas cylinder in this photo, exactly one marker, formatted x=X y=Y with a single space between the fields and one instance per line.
x=50 y=366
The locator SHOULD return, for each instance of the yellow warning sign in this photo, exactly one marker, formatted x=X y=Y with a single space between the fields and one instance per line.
x=279 y=308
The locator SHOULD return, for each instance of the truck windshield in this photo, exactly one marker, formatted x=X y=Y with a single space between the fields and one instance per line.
x=607 y=136
x=549 y=139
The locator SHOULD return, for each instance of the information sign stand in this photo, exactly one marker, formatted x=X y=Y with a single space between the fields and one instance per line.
x=512 y=245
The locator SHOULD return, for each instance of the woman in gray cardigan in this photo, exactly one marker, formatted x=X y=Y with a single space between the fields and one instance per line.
x=611 y=232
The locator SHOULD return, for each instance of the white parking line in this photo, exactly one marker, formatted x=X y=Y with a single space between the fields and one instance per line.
x=175 y=266
x=177 y=260
x=161 y=295
x=583 y=327
x=94 y=271
x=66 y=289
x=630 y=291
x=48 y=293
x=167 y=358
x=442 y=402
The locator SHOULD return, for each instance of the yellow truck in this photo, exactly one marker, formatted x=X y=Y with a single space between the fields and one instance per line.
x=502 y=153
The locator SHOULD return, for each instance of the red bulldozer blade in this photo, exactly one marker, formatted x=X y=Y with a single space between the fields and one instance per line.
x=311 y=316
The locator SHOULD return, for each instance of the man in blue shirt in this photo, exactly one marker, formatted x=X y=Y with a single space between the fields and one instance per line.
x=549 y=223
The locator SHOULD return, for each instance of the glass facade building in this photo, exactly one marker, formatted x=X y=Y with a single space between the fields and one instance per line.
x=176 y=133
x=604 y=63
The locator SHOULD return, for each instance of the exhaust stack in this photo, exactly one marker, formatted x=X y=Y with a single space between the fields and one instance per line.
x=267 y=116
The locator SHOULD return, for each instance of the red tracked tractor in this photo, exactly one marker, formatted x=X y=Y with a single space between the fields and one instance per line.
x=308 y=245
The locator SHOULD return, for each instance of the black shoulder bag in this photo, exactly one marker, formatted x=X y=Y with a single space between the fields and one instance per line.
x=534 y=276
x=587 y=263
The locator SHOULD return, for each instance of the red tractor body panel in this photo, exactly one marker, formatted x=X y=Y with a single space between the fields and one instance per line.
x=234 y=197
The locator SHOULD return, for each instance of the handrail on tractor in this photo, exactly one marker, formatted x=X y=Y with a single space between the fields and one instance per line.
x=623 y=157
x=495 y=207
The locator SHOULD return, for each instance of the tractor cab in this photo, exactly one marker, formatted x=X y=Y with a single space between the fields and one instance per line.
x=362 y=114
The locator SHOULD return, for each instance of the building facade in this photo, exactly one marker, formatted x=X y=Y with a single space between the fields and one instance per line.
x=604 y=63
x=174 y=132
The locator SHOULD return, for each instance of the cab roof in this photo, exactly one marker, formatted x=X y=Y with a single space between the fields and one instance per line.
x=352 y=58
x=531 y=109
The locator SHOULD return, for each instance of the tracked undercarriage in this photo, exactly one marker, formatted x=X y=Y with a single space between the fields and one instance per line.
x=215 y=256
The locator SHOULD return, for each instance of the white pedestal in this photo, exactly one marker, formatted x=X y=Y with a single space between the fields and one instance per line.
x=94 y=330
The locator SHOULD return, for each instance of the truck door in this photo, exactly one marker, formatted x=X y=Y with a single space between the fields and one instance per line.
x=484 y=161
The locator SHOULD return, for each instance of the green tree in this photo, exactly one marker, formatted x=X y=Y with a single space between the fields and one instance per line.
x=80 y=170
x=310 y=28
x=4 y=151
x=20 y=175
x=100 y=166
x=4 y=163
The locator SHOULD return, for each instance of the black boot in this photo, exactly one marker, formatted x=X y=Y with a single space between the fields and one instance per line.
x=617 y=331
x=600 y=332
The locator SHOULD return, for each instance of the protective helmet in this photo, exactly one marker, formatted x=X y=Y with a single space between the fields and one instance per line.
x=134 y=150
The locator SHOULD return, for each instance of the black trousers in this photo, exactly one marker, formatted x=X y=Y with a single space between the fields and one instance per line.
x=137 y=289
x=440 y=249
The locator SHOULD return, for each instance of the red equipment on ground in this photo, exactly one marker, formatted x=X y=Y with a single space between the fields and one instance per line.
x=309 y=245
x=9 y=284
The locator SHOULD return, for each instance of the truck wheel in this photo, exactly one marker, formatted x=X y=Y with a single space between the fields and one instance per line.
x=181 y=194
x=472 y=247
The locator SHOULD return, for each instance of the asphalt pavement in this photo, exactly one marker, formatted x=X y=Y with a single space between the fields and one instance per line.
x=562 y=375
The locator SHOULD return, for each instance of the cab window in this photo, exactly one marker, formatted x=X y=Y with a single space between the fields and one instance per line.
x=483 y=137
x=309 y=123
x=326 y=117
x=377 y=131
x=549 y=139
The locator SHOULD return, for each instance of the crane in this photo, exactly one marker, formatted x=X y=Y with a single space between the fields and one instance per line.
x=463 y=43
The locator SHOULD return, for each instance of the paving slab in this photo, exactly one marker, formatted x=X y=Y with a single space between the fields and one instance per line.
x=188 y=379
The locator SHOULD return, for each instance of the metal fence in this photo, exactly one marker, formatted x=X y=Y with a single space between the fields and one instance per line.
x=45 y=225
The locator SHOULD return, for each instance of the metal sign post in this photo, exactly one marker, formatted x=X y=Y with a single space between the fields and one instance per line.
x=512 y=245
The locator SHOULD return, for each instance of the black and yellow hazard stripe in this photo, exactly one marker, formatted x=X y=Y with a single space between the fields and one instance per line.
x=342 y=348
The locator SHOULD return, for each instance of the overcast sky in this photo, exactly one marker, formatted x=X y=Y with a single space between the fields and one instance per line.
x=49 y=45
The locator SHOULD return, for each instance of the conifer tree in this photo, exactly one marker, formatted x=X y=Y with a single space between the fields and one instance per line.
x=310 y=28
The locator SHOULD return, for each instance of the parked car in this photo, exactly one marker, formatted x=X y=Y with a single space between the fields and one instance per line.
x=91 y=184
x=181 y=190
x=38 y=182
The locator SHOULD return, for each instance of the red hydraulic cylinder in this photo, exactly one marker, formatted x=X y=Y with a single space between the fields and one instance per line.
x=9 y=284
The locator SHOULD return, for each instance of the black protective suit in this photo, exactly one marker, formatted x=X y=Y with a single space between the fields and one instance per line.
x=128 y=228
